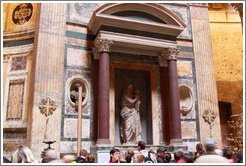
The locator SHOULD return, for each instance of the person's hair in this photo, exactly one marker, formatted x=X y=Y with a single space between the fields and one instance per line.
x=68 y=158
x=167 y=157
x=227 y=153
x=83 y=152
x=128 y=159
x=112 y=151
x=23 y=155
x=140 y=158
x=141 y=144
x=91 y=158
x=210 y=144
x=210 y=147
x=188 y=157
x=199 y=146
x=177 y=156
x=130 y=153
x=50 y=154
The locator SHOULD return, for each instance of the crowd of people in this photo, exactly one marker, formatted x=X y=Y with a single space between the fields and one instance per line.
x=207 y=152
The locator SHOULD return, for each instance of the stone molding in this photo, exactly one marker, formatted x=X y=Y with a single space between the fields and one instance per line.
x=168 y=54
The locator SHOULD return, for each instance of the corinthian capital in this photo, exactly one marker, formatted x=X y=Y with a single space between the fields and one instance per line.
x=102 y=45
x=168 y=54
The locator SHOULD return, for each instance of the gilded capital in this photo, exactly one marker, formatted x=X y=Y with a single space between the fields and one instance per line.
x=102 y=45
x=6 y=57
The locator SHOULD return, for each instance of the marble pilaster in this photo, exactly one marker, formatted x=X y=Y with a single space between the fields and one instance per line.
x=47 y=76
x=205 y=72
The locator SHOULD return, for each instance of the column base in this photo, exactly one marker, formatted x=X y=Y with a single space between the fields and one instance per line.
x=176 y=142
x=103 y=142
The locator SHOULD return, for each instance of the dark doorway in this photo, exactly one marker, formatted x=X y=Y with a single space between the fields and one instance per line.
x=225 y=113
x=141 y=81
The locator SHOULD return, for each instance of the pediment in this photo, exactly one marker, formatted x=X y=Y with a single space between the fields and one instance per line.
x=141 y=17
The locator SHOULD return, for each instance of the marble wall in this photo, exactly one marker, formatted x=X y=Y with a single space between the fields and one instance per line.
x=69 y=54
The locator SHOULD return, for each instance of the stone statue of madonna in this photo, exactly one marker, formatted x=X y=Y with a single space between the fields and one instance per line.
x=130 y=127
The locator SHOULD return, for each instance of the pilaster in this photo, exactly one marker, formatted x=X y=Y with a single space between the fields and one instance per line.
x=47 y=76
x=205 y=74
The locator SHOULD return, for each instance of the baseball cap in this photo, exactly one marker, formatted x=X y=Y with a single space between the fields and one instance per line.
x=161 y=149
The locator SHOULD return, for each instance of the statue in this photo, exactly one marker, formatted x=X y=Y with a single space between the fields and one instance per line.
x=130 y=128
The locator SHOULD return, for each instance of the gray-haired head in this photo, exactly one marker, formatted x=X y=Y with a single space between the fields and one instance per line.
x=210 y=144
x=51 y=154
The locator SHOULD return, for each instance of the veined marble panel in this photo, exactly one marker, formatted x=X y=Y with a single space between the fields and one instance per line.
x=77 y=57
x=183 y=13
x=78 y=29
x=70 y=128
x=71 y=147
x=184 y=68
x=81 y=12
x=188 y=130
x=78 y=42
x=15 y=104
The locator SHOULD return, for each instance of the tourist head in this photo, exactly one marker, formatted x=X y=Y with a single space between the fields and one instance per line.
x=227 y=153
x=210 y=145
x=199 y=147
x=23 y=155
x=68 y=158
x=188 y=157
x=128 y=159
x=161 y=151
x=114 y=155
x=138 y=158
x=91 y=158
x=177 y=156
x=167 y=157
x=141 y=145
x=83 y=153
x=50 y=155
x=129 y=153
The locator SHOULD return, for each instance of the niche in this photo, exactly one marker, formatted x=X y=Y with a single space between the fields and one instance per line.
x=186 y=99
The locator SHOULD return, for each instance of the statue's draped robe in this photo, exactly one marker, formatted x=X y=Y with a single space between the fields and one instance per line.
x=130 y=128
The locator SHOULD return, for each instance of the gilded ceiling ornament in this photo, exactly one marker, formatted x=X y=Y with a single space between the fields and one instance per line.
x=22 y=13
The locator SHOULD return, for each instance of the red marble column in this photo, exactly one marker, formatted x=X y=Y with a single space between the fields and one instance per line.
x=175 y=123
x=102 y=48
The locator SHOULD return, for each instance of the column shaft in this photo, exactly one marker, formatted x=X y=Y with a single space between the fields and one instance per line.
x=103 y=96
x=174 y=103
